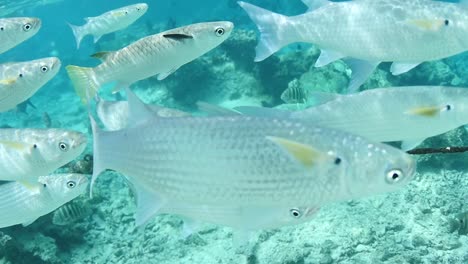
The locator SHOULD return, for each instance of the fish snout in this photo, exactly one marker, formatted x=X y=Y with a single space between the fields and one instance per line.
x=229 y=26
x=56 y=63
x=35 y=22
x=142 y=7
x=79 y=140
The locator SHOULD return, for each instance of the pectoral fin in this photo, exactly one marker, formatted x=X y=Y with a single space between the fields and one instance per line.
x=428 y=24
x=304 y=154
x=8 y=81
x=164 y=75
x=34 y=187
x=119 y=14
x=426 y=111
x=15 y=145
x=399 y=68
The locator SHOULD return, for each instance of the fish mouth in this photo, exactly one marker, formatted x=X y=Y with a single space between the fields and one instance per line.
x=82 y=180
x=56 y=63
x=143 y=6
x=36 y=22
x=80 y=140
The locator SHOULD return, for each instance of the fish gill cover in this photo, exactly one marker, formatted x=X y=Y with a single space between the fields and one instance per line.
x=212 y=85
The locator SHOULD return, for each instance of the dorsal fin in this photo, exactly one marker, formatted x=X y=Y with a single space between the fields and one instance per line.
x=212 y=109
x=137 y=110
x=314 y=4
x=177 y=36
x=102 y=55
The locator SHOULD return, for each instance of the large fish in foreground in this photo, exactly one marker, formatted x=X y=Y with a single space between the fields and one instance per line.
x=108 y=22
x=251 y=163
x=19 y=81
x=24 y=204
x=15 y=30
x=409 y=114
x=159 y=54
x=404 y=32
x=26 y=154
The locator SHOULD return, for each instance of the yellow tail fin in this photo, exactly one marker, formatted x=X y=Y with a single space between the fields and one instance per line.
x=84 y=81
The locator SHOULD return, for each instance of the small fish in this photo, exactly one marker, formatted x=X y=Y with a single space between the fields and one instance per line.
x=24 y=204
x=295 y=94
x=459 y=224
x=46 y=119
x=69 y=213
x=26 y=154
x=19 y=81
x=108 y=22
x=114 y=114
x=385 y=114
x=15 y=30
x=367 y=32
x=160 y=54
x=243 y=162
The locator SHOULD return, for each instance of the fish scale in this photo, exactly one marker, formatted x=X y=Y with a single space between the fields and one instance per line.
x=23 y=204
x=20 y=80
x=219 y=160
x=26 y=154
x=158 y=54
x=13 y=33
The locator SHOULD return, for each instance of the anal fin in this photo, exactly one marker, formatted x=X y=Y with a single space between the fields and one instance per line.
x=361 y=70
x=163 y=75
x=399 y=67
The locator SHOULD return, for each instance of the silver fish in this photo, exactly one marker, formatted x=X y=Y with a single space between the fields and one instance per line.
x=24 y=204
x=15 y=30
x=244 y=162
x=160 y=54
x=385 y=114
x=406 y=33
x=26 y=154
x=19 y=81
x=108 y=22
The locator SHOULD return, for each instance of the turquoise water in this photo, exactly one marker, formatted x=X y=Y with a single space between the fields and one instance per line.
x=412 y=225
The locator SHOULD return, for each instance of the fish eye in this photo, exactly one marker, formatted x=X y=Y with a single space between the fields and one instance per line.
x=126 y=12
x=44 y=185
x=446 y=22
x=295 y=213
x=71 y=184
x=63 y=146
x=20 y=75
x=27 y=27
x=219 y=31
x=2 y=28
x=44 y=68
x=394 y=176
x=337 y=161
x=448 y=107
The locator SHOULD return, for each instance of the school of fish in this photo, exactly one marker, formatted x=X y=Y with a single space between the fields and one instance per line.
x=248 y=168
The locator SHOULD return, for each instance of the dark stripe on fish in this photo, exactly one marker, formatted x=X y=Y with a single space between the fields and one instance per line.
x=177 y=36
